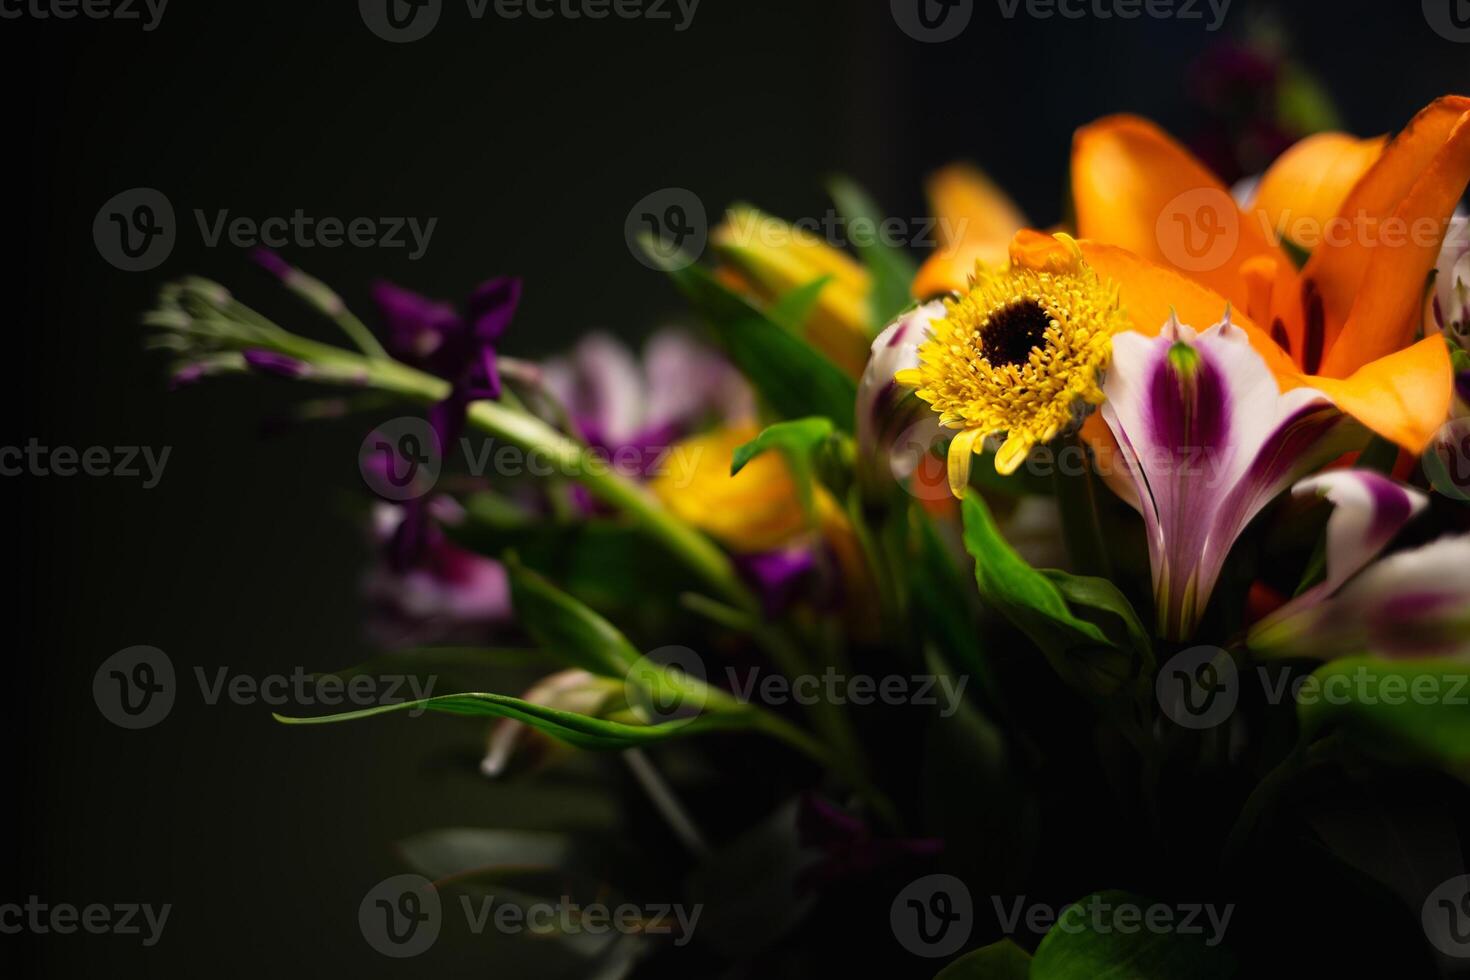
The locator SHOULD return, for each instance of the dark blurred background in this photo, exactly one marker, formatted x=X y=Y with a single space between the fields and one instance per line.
x=529 y=141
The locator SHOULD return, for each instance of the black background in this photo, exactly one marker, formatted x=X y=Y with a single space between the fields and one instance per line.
x=529 y=141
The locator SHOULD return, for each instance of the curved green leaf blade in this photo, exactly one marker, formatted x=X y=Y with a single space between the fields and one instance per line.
x=1078 y=650
x=568 y=629
x=1086 y=944
x=998 y=961
x=575 y=729
x=1414 y=711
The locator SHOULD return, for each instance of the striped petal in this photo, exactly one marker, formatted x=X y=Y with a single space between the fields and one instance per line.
x=1369 y=511
x=1208 y=439
x=1412 y=604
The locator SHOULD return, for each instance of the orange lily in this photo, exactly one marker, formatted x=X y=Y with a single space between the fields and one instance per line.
x=976 y=222
x=1156 y=222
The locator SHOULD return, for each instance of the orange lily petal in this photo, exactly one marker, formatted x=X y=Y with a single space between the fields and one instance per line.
x=976 y=222
x=1307 y=184
x=1339 y=263
x=1404 y=397
x=1386 y=314
x=1134 y=186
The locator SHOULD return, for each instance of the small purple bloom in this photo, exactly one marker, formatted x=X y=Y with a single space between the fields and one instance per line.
x=459 y=347
x=427 y=589
x=778 y=576
x=269 y=362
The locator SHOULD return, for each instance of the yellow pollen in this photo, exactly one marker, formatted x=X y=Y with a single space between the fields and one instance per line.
x=1020 y=354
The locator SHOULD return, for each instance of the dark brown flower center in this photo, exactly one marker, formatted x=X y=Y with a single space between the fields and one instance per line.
x=1011 y=334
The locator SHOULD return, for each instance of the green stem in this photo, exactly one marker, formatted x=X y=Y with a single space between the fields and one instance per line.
x=530 y=433
x=1081 y=523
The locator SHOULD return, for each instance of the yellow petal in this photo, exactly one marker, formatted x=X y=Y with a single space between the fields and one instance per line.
x=961 y=452
x=1012 y=454
x=776 y=257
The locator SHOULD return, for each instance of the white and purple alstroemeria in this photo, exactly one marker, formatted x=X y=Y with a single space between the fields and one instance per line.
x=1414 y=603
x=1206 y=439
x=632 y=411
x=890 y=441
x=1447 y=309
x=458 y=347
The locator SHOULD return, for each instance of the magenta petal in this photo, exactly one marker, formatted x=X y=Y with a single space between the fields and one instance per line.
x=492 y=306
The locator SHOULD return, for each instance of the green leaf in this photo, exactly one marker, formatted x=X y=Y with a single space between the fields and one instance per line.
x=1120 y=619
x=998 y=961
x=892 y=271
x=1089 y=942
x=1415 y=711
x=1078 y=650
x=575 y=729
x=799 y=437
x=798 y=440
x=792 y=308
x=566 y=628
x=790 y=375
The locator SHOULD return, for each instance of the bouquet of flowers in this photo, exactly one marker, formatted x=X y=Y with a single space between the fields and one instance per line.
x=1074 y=602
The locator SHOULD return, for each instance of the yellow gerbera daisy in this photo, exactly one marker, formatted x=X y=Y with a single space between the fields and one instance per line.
x=1020 y=353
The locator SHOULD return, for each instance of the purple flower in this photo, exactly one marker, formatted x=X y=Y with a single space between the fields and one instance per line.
x=634 y=411
x=1415 y=603
x=458 y=347
x=1206 y=439
x=427 y=589
x=1448 y=305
